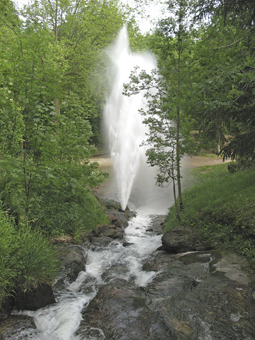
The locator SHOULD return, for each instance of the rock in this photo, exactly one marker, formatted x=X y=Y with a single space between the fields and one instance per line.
x=35 y=298
x=127 y=244
x=157 y=225
x=181 y=240
x=18 y=327
x=111 y=204
x=121 y=313
x=198 y=298
x=108 y=231
x=113 y=233
x=101 y=241
x=118 y=217
x=72 y=259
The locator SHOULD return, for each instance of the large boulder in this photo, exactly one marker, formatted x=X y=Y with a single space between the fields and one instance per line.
x=72 y=259
x=117 y=215
x=200 y=295
x=35 y=298
x=120 y=312
x=181 y=240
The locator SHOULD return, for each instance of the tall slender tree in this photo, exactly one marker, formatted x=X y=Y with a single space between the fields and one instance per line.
x=167 y=113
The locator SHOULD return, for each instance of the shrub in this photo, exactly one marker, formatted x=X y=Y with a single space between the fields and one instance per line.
x=8 y=247
x=26 y=258
x=59 y=199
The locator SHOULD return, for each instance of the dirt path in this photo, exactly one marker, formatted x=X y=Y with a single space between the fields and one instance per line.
x=105 y=162
x=198 y=161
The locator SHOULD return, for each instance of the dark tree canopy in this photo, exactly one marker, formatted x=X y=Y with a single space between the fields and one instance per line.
x=240 y=8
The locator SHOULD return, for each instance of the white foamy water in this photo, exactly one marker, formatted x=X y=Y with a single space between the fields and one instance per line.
x=61 y=320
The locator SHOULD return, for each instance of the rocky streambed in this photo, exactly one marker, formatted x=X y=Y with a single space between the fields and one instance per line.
x=174 y=291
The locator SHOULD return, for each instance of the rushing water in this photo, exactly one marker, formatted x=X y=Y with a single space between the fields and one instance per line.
x=61 y=320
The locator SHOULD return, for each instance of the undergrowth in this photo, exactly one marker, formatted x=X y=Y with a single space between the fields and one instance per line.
x=26 y=258
x=221 y=207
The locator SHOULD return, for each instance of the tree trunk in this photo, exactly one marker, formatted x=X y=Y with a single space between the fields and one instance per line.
x=57 y=105
x=178 y=160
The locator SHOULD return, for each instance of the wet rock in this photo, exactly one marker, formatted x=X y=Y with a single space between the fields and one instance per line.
x=111 y=204
x=108 y=231
x=118 y=217
x=157 y=224
x=35 y=298
x=121 y=313
x=101 y=241
x=127 y=244
x=181 y=240
x=17 y=327
x=113 y=233
x=198 y=301
x=72 y=259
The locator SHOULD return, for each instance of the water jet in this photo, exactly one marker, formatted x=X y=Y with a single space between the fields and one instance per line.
x=134 y=180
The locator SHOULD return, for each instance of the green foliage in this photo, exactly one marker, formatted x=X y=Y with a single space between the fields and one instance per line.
x=26 y=258
x=46 y=103
x=221 y=208
x=64 y=205
x=53 y=196
x=223 y=100
x=167 y=92
x=8 y=245
x=36 y=259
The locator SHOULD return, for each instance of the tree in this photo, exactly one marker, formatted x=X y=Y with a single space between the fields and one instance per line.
x=244 y=9
x=225 y=100
x=45 y=130
x=80 y=30
x=167 y=92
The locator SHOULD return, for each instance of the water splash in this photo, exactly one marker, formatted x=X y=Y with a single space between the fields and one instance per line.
x=123 y=120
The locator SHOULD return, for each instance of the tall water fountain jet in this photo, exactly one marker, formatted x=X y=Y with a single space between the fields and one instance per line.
x=124 y=122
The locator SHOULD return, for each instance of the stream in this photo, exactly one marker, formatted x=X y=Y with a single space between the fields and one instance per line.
x=61 y=320
x=133 y=290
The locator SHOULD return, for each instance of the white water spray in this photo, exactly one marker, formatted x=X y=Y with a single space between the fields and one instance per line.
x=123 y=120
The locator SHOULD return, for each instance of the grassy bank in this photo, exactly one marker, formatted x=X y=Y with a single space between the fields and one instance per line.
x=221 y=207
x=26 y=258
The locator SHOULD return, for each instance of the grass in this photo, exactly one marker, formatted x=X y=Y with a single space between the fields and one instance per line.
x=221 y=207
x=26 y=258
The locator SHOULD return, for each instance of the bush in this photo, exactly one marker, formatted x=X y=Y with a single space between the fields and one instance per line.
x=26 y=258
x=58 y=201
x=8 y=247
x=69 y=211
